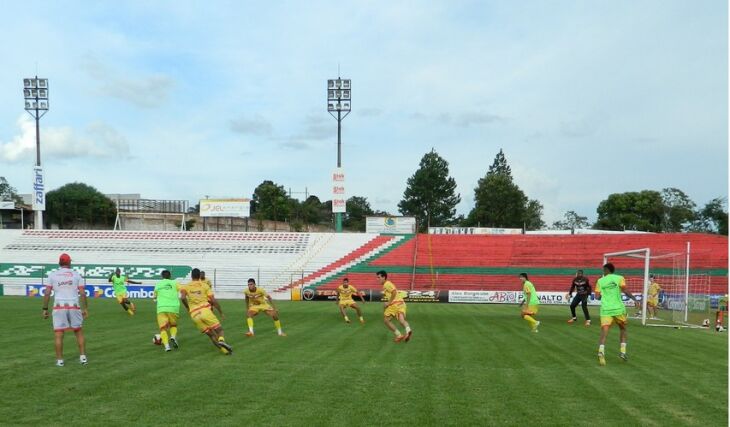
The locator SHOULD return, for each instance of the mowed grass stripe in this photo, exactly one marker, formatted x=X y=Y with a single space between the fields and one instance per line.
x=467 y=364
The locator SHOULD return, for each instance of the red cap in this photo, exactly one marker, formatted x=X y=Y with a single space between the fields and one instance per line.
x=64 y=259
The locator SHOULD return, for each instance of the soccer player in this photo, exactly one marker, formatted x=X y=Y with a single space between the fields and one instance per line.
x=203 y=279
x=394 y=307
x=119 y=283
x=68 y=314
x=652 y=300
x=608 y=291
x=530 y=299
x=344 y=299
x=168 y=309
x=197 y=297
x=582 y=288
x=258 y=300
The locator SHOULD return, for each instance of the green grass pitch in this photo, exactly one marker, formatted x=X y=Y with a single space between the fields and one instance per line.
x=466 y=365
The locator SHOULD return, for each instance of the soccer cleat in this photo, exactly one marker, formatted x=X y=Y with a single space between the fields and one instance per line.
x=249 y=334
x=362 y=321
x=587 y=323
x=222 y=345
x=174 y=343
x=167 y=348
x=282 y=334
x=408 y=336
x=534 y=329
x=347 y=320
x=59 y=363
x=83 y=360
x=399 y=338
x=572 y=320
x=130 y=312
x=624 y=357
x=601 y=359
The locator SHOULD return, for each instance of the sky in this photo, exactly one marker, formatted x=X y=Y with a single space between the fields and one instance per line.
x=183 y=100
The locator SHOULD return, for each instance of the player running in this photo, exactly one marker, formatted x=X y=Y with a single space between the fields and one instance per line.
x=197 y=297
x=344 y=299
x=582 y=288
x=652 y=300
x=530 y=298
x=608 y=291
x=258 y=300
x=68 y=315
x=394 y=307
x=168 y=309
x=119 y=283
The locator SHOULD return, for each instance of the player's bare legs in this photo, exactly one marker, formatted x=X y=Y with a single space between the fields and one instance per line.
x=277 y=323
x=623 y=335
x=402 y=320
x=602 y=343
x=342 y=311
x=358 y=310
x=58 y=342
x=81 y=341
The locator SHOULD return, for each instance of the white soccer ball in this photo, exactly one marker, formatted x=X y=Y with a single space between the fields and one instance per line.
x=157 y=339
x=706 y=323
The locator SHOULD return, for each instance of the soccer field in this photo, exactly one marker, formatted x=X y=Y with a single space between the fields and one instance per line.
x=466 y=365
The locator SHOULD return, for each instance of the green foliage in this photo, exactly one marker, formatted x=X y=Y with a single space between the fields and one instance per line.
x=712 y=218
x=679 y=210
x=8 y=193
x=78 y=204
x=572 y=221
x=639 y=211
x=467 y=364
x=271 y=202
x=430 y=193
x=499 y=202
x=358 y=208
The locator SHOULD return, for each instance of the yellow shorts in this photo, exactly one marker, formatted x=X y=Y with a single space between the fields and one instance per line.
x=346 y=303
x=393 y=310
x=260 y=307
x=531 y=310
x=652 y=302
x=166 y=319
x=204 y=319
x=609 y=320
x=121 y=296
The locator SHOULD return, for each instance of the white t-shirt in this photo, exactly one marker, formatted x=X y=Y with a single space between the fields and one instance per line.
x=66 y=285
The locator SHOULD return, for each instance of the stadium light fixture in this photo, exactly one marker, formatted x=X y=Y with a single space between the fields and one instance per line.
x=339 y=97
x=35 y=92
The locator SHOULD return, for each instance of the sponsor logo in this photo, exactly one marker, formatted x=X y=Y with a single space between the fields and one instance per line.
x=98 y=291
x=308 y=294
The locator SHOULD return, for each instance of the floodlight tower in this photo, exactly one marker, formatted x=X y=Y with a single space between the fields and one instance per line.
x=35 y=91
x=338 y=100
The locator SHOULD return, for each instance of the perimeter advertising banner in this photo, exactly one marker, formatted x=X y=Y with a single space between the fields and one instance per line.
x=515 y=297
x=39 y=189
x=235 y=208
x=314 y=294
x=339 y=197
x=98 y=291
x=473 y=230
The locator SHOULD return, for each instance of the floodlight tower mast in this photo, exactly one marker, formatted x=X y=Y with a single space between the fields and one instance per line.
x=339 y=98
x=35 y=92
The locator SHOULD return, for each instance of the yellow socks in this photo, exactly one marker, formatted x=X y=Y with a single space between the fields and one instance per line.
x=249 y=321
x=623 y=347
x=165 y=339
x=173 y=331
x=277 y=324
x=530 y=320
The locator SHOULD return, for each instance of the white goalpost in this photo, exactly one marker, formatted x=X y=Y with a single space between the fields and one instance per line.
x=682 y=298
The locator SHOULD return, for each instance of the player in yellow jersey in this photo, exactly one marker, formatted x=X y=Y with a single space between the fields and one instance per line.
x=203 y=279
x=652 y=301
x=197 y=297
x=529 y=298
x=258 y=300
x=394 y=307
x=344 y=299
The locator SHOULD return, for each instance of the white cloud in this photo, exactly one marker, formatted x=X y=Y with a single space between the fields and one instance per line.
x=98 y=140
x=147 y=91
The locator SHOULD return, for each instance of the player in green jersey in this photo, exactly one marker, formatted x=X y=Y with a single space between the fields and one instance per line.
x=531 y=300
x=608 y=290
x=168 y=309
x=119 y=283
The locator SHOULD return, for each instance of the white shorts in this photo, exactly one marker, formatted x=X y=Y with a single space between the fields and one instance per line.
x=67 y=319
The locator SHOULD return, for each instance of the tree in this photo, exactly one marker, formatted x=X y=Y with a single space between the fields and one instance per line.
x=430 y=193
x=572 y=221
x=77 y=204
x=358 y=209
x=499 y=202
x=7 y=192
x=640 y=211
x=271 y=202
x=312 y=210
x=712 y=218
x=679 y=210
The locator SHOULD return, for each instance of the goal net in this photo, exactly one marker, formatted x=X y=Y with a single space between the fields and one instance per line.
x=669 y=291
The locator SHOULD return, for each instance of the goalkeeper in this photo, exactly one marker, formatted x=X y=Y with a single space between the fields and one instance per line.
x=582 y=288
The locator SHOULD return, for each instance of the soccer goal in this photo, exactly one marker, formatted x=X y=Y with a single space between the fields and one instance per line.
x=683 y=296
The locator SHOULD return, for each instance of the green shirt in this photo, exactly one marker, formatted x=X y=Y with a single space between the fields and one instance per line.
x=610 y=288
x=168 y=301
x=529 y=287
x=119 y=283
